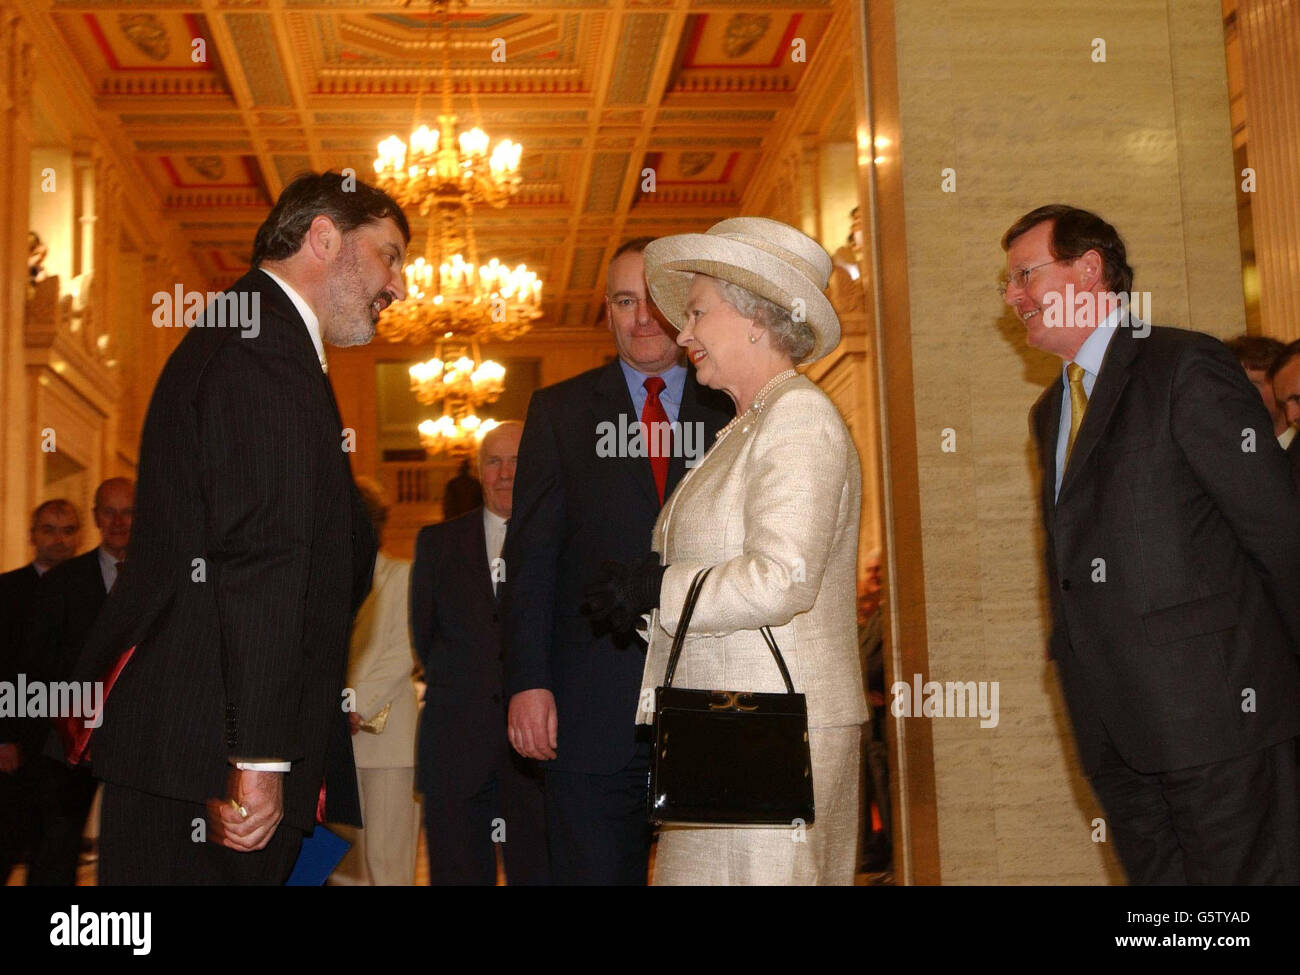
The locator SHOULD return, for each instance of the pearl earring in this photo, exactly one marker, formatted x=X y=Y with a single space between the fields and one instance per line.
x=753 y=339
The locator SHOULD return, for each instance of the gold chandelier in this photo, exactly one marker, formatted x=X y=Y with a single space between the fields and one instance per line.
x=449 y=296
x=449 y=292
x=461 y=383
x=436 y=167
x=455 y=437
x=431 y=169
x=476 y=382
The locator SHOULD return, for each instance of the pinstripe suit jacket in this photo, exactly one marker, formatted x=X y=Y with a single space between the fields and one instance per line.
x=249 y=554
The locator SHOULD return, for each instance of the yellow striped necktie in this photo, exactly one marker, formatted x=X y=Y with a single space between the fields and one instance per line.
x=1078 y=403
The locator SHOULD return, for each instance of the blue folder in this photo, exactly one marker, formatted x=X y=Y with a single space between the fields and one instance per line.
x=320 y=854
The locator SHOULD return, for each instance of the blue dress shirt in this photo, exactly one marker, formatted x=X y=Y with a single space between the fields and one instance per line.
x=670 y=397
x=1090 y=356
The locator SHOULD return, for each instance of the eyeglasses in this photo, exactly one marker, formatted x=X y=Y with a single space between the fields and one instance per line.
x=1020 y=278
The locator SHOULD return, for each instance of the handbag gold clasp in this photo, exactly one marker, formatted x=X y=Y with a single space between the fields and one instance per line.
x=730 y=701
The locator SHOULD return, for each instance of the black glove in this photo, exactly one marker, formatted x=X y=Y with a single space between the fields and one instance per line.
x=624 y=591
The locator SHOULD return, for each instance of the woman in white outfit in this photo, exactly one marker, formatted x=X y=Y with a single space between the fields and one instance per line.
x=380 y=662
x=773 y=509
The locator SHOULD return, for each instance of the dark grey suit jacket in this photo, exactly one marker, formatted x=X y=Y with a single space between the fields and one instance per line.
x=18 y=590
x=1293 y=455
x=67 y=604
x=454 y=625
x=250 y=553
x=1178 y=491
x=574 y=509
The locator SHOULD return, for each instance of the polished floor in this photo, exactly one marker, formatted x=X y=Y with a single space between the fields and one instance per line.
x=87 y=869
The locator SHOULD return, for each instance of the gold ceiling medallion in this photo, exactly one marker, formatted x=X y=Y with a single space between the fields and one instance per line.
x=147 y=33
x=694 y=163
x=743 y=31
x=209 y=167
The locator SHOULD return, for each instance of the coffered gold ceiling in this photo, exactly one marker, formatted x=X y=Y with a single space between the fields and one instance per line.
x=596 y=93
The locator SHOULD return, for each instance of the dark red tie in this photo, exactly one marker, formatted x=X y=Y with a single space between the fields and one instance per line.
x=659 y=449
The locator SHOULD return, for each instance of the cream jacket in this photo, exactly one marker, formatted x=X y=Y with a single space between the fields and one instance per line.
x=380 y=662
x=774 y=508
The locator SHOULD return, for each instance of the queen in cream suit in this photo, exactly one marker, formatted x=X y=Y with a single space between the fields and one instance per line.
x=773 y=508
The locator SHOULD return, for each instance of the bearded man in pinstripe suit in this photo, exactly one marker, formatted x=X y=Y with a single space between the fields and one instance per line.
x=250 y=553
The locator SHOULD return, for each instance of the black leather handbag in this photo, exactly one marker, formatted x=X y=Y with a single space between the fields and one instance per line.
x=729 y=757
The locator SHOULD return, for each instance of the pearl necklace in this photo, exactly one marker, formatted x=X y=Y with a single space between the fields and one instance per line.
x=760 y=398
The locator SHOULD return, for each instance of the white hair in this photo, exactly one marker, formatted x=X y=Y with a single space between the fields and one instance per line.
x=793 y=338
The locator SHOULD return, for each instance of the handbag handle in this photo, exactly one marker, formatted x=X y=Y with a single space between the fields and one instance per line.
x=679 y=638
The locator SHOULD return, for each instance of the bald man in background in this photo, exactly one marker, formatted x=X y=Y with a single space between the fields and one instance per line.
x=477 y=791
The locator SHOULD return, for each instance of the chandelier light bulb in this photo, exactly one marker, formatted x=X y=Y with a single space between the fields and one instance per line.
x=505 y=158
x=424 y=140
x=474 y=142
x=392 y=154
x=488 y=372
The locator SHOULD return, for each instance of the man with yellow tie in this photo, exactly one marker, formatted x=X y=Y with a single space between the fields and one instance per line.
x=1173 y=564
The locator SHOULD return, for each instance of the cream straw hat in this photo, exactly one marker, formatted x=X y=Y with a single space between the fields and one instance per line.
x=767 y=257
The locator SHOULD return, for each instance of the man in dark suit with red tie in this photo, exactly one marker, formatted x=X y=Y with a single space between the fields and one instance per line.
x=1173 y=567
x=477 y=791
x=588 y=490
x=250 y=553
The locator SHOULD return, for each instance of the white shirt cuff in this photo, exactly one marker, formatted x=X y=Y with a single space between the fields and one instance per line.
x=264 y=766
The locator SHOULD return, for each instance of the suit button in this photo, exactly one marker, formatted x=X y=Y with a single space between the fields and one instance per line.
x=496 y=698
x=1065 y=585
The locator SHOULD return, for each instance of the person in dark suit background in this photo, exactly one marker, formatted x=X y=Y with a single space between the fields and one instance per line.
x=1173 y=565
x=875 y=852
x=250 y=554
x=72 y=595
x=67 y=604
x=477 y=790
x=573 y=684
x=1262 y=358
x=1257 y=353
x=462 y=494
x=1284 y=383
x=55 y=535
